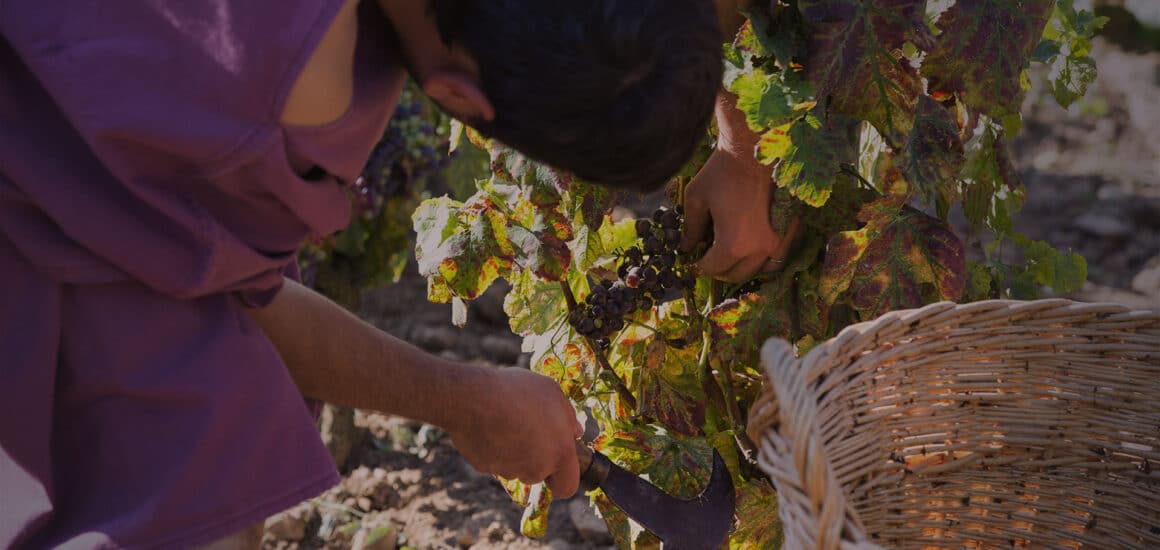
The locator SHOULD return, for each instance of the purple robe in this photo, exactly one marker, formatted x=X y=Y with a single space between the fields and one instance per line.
x=148 y=194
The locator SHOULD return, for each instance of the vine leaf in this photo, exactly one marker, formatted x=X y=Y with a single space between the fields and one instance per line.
x=1065 y=47
x=534 y=306
x=902 y=259
x=809 y=154
x=676 y=464
x=465 y=248
x=627 y=534
x=771 y=100
x=758 y=527
x=855 y=59
x=992 y=190
x=933 y=154
x=983 y=50
x=740 y=325
x=670 y=390
x=536 y=500
x=567 y=368
x=1047 y=266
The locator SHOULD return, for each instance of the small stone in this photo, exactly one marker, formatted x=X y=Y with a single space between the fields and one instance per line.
x=1103 y=225
x=1147 y=281
x=289 y=525
x=587 y=523
x=384 y=537
x=365 y=504
x=465 y=539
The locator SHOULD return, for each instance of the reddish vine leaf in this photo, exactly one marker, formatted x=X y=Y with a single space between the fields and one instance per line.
x=544 y=253
x=759 y=526
x=983 y=50
x=855 y=59
x=809 y=155
x=567 y=369
x=933 y=153
x=670 y=390
x=740 y=325
x=898 y=261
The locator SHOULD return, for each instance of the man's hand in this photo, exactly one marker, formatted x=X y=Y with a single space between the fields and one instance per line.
x=525 y=430
x=734 y=194
x=510 y=422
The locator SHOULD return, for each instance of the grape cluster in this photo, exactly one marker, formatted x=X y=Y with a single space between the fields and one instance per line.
x=410 y=149
x=646 y=273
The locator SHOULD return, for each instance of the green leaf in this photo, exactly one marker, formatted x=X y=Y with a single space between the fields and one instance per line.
x=670 y=389
x=979 y=282
x=771 y=100
x=983 y=49
x=1047 y=266
x=810 y=156
x=678 y=465
x=902 y=261
x=992 y=191
x=855 y=59
x=933 y=154
x=778 y=30
x=758 y=526
x=534 y=306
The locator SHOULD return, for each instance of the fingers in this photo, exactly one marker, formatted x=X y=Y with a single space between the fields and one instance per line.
x=566 y=479
x=696 y=220
x=745 y=269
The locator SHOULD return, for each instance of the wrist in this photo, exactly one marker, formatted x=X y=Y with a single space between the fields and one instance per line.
x=467 y=398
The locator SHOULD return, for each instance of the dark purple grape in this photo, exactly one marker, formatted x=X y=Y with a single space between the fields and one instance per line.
x=680 y=210
x=658 y=214
x=603 y=343
x=634 y=255
x=597 y=312
x=669 y=279
x=672 y=237
x=622 y=270
x=613 y=310
x=643 y=227
x=585 y=326
x=653 y=245
x=616 y=324
x=670 y=220
x=632 y=279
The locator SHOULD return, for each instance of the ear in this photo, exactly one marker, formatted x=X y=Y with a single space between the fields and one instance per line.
x=459 y=94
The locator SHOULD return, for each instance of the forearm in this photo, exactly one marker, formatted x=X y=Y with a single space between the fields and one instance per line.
x=334 y=356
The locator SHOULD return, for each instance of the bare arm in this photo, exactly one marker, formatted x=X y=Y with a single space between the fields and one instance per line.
x=510 y=422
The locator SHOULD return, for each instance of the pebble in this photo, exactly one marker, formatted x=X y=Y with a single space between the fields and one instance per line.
x=587 y=523
x=383 y=537
x=1147 y=281
x=289 y=525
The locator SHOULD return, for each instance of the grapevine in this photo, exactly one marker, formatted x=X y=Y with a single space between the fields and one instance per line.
x=878 y=120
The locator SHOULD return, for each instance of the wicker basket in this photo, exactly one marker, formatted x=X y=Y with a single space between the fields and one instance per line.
x=996 y=424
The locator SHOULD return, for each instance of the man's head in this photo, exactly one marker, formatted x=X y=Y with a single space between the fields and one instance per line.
x=616 y=91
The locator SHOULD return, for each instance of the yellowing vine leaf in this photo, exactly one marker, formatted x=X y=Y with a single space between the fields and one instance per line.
x=678 y=465
x=983 y=50
x=740 y=325
x=809 y=155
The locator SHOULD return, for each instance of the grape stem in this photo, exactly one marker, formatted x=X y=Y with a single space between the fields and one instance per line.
x=622 y=390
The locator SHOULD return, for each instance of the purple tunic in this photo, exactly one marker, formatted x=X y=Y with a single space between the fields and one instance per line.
x=148 y=193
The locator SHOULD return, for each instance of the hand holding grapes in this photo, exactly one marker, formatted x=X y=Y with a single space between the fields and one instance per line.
x=733 y=191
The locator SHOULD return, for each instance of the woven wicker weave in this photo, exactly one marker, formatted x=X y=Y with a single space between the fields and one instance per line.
x=996 y=424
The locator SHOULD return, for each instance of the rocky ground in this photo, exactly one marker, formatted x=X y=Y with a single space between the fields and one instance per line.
x=1093 y=178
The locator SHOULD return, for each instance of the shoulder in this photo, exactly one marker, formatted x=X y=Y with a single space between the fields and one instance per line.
x=198 y=79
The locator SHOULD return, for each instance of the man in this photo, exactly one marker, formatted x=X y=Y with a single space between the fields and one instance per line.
x=160 y=162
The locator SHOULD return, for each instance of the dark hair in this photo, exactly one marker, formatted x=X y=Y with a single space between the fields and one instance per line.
x=618 y=92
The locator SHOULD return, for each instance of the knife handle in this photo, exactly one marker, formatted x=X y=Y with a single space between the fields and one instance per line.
x=593 y=467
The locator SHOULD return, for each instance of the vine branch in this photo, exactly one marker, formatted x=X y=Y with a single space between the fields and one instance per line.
x=622 y=390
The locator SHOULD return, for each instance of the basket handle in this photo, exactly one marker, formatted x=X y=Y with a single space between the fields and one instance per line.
x=812 y=502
